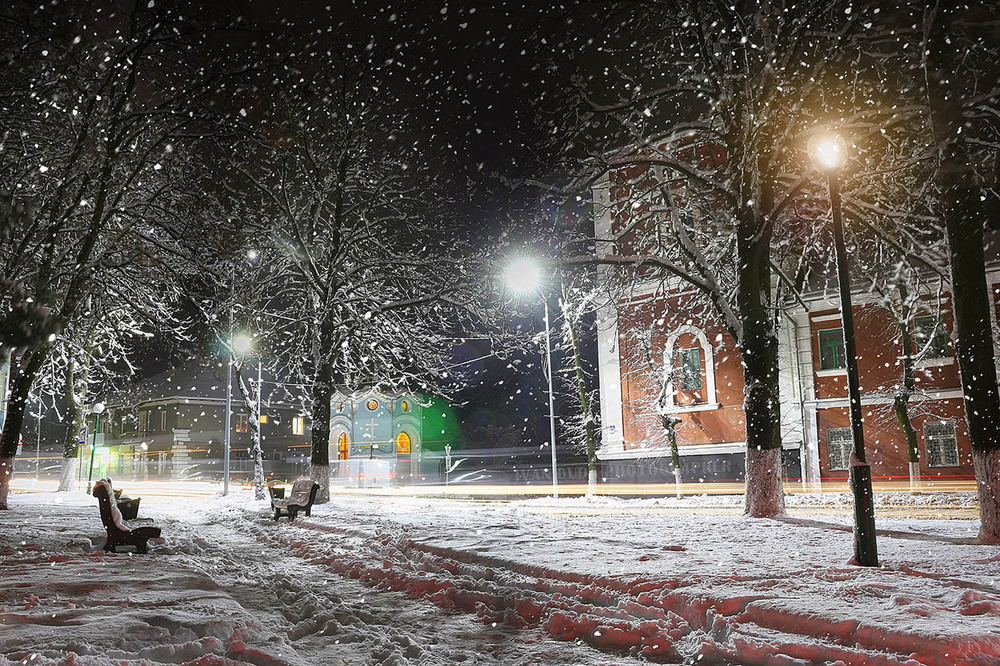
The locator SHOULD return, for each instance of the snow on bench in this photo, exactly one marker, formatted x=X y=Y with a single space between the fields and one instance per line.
x=120 y=534
x=300 y=499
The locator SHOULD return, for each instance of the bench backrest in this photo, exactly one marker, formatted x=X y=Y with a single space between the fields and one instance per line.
x=300 y=491
x=110 y=513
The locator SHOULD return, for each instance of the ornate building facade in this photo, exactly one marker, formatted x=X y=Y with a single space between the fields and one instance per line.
x=664 y=352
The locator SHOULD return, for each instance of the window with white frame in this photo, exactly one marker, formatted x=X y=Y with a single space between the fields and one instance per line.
x=839 y=444
x=690 y=361
x=299 y=425
x=832 y=354
x=941 y=443
x=163 y=421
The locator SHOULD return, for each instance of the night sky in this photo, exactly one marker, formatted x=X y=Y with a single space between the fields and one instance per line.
x=476 y=77
x=476 y=69
x=476 y=73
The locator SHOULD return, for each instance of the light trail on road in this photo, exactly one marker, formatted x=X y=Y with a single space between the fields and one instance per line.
x=899 y=503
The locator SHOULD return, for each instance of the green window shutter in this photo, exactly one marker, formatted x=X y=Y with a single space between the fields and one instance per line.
x=689 y=365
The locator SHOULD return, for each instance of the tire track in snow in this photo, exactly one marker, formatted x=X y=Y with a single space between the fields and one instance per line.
x=655 y=618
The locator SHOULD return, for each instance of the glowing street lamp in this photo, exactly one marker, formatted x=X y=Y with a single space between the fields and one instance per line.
x=97 y=409
x=524 y=276
x=242 y=344
x=829 y=155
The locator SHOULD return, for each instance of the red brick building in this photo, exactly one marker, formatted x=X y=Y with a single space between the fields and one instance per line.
x=664 y=351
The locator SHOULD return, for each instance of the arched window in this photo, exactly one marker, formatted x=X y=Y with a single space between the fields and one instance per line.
x=689 y=364
x=402 y=443
x=342 y=446
x=372 y=404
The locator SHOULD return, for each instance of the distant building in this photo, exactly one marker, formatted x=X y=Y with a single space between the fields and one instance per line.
x=378 y=439
x=172 y=426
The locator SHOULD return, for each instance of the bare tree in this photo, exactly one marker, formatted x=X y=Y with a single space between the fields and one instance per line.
x=699 y=117
x=958 y=47
x=373 y=273
x=576 y=304
x=99 y=138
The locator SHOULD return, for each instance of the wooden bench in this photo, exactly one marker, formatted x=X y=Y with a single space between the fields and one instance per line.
x=300 y=499
x=119 y=534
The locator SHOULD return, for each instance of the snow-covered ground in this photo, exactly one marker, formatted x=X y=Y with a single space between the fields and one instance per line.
x=422 y=581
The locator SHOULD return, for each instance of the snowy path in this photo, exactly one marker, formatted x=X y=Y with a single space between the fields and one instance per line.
x=430 y=582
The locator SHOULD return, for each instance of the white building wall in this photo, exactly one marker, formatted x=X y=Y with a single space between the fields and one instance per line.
x=608 y=360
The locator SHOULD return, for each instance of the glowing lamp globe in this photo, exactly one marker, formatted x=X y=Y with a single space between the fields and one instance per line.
x=828 y=152
x=98 y=408
x=242 y=344
x=523 y=275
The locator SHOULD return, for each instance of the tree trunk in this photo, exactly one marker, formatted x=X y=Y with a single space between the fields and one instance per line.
x=74 y=398
x=964 y=212
x=250 y=401
x=322 y=394
x=759 y=347
x=900 y=405
x=670 y=424
x=27 y=369
x=588 y=418
x=974 y=348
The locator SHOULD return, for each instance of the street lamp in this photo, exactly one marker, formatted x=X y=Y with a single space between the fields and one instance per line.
x=97 y=410
x=524 y=276
x=829 y=154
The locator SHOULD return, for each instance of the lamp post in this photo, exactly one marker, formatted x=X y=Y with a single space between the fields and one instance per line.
x=97 y=409
x=523 y=276
x=829 y=154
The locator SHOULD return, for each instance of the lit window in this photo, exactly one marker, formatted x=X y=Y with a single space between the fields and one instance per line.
x=839 y=444
x=832 y=353
x=402 y=443
x=342 y=446
x=299 y=425
x=929 y=332
x=242 y=423
x=263 y=418
x=405 y=406
x=941 y=443
x=373 y=405
x=689 y=369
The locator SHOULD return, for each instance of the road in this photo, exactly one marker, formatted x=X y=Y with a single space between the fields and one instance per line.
x=938 y=500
